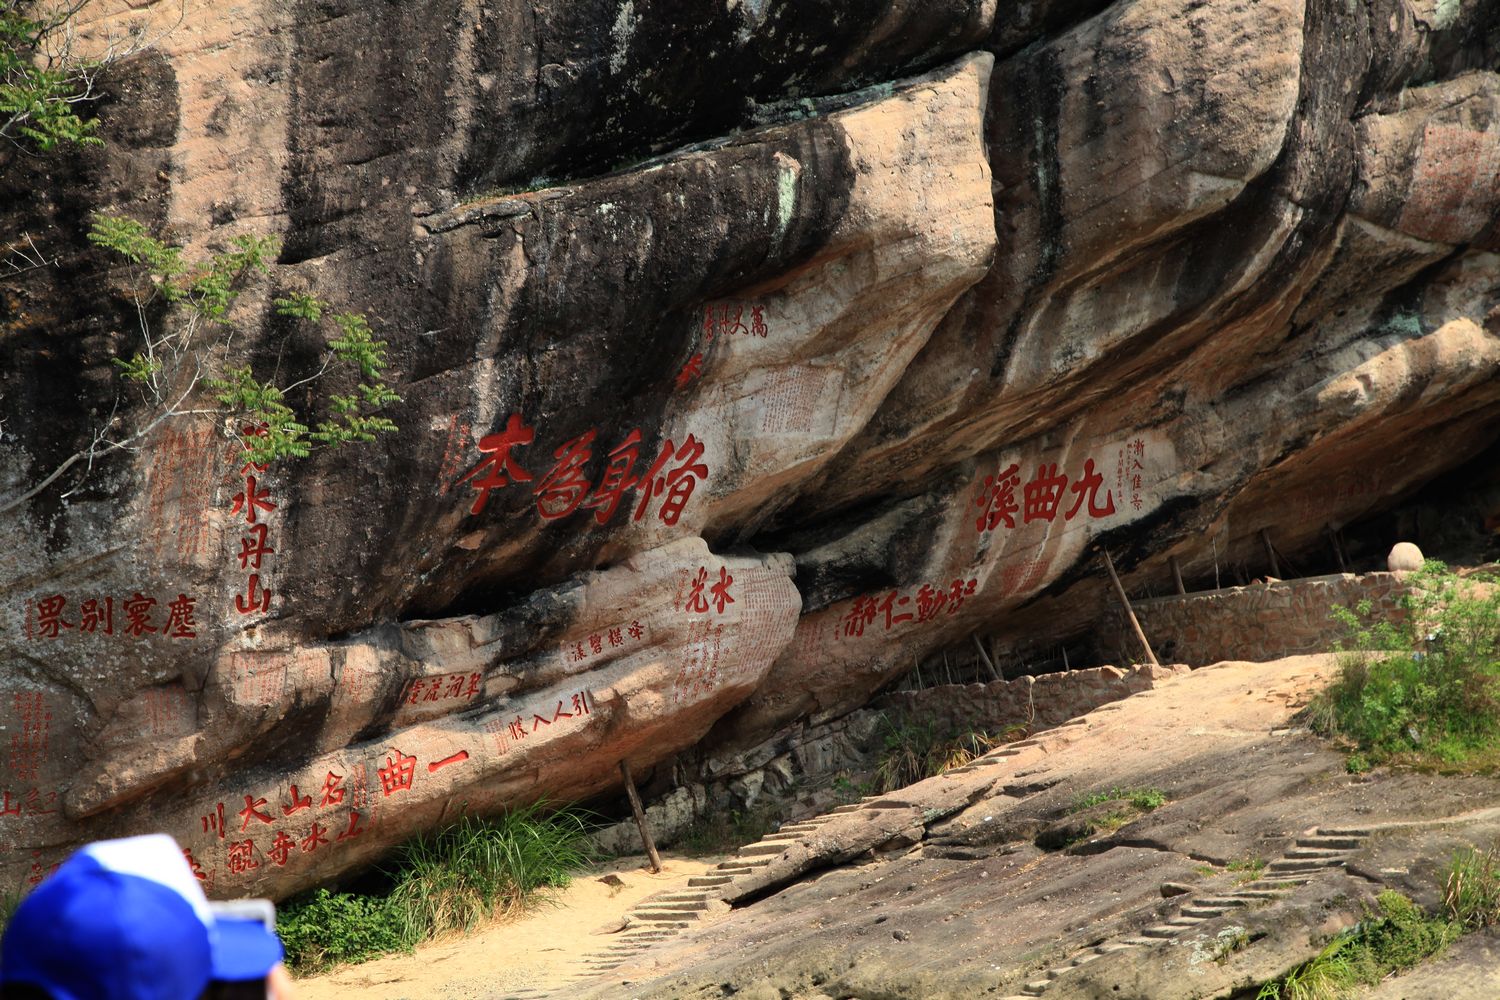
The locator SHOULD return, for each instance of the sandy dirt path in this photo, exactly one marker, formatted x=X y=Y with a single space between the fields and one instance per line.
x=542 y=949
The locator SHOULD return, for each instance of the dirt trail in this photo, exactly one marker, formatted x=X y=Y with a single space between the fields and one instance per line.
x=540 y=950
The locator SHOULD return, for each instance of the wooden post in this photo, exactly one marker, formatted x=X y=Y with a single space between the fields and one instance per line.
x=1114 y=578
x=1338 y=550
x=1177 y=574
x=1265 y=536
x=985 y=656
x=640 y=817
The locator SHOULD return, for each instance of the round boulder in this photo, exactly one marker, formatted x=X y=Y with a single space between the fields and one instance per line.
x=1404 y=558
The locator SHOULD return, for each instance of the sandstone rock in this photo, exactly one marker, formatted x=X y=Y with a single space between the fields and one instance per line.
x=947 y=296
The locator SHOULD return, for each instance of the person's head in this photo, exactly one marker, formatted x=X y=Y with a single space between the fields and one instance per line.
x=126 y=920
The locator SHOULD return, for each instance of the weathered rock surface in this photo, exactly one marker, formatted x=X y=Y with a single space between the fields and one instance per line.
x=939 y=891
x=929 y=300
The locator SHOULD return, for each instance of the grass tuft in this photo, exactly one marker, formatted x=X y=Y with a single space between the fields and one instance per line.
x=912 y=751
x=447 y=881
x=1143 y=799
x=1395 y=937
x=1471 y=893
x=1246 y=870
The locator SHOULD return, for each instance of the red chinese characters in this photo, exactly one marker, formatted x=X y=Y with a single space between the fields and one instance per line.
x=398 y=773
x=30 y=734
x=499 y=468
x=701 y=594
x=1129 y=467
x=729 y=319
x=567 y=486
x=1023 y=577
x=139 y=617
x=894 y=608
x=699 y=673
x=30 y=804
x=250 y=503
x=280 y=825
x=443 y=688
x=452 y=452
x=609 y=640
x=455 y=758
x=1047 y=495
x=507 y=732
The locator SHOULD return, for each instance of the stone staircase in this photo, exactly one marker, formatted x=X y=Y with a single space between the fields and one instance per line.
x=668 y=914
x=1313 y=853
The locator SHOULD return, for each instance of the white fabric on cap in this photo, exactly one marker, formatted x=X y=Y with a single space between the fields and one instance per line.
x=157 y=857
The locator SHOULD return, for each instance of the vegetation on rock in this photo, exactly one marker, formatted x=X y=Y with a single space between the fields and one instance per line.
x=913 y=750
x=1425 y=690
x=1394 y=938
x=1471 y=893
x=171 y=362
x=450 y=880
x=42 y=86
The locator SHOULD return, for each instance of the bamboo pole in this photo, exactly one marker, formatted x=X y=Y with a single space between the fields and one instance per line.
x=1265 y=537
x=1135 y=623
x=1338 y=550
x=640 y=817
x=1177 y=574
x=985 y=656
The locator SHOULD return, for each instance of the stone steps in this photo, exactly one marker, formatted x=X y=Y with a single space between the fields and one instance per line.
x=659 y=908
x=756 y=850
x=1315 y=852
x=709 y=880
x=1304 y=864
x=1218 y=902
x=1331 y=843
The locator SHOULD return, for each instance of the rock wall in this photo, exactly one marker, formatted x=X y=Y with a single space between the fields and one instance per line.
x=747 y=352
x=1259 y=622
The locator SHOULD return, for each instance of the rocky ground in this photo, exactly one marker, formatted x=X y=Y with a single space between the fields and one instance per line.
x=941 y=890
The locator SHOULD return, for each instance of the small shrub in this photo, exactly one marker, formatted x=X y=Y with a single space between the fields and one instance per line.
x=1471 y=892
x=1143 y=799
x=1430 y=690
x=1394 y=938
x=325 y=929
x=913 y=751
x=1246 y=870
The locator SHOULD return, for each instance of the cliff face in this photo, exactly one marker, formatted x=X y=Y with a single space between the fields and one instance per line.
x=747 y=351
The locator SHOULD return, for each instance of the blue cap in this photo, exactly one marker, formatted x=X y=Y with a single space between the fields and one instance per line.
x=126 y=920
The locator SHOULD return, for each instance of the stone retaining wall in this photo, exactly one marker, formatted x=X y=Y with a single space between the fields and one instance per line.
x=1036 y=702
x=1258 y=622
